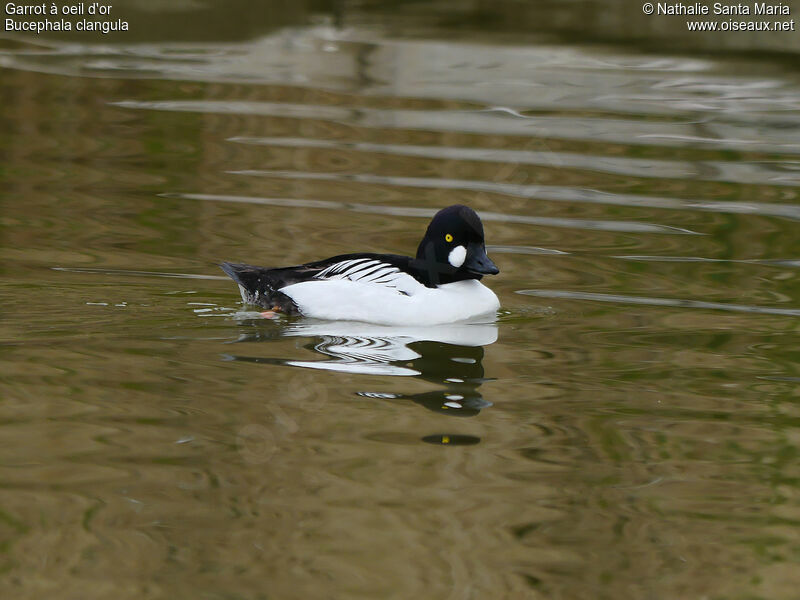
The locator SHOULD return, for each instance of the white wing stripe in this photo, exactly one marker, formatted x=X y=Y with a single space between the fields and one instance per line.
x=355 y=268
x=336 y=268
x=366 y=270
x=380 y=273
x=359 y=270
x=370 y=271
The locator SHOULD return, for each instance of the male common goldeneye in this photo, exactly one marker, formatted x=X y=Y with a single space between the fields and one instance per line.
x=440 y=285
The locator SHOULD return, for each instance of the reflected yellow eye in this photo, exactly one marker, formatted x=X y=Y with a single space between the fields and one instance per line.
x=448 y=238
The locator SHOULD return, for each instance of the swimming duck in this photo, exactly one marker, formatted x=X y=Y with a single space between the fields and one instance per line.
x=440 y=285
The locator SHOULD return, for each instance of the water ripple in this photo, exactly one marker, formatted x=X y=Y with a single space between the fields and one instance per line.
x=605 y=128
x=782 y=173
x=620 y=299
x=133 y=273
x=590 y=224
x=545 y=192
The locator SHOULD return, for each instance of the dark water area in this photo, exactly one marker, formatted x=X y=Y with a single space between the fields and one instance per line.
x=627 y=428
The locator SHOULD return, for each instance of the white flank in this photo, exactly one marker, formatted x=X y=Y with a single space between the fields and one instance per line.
x=404 y=301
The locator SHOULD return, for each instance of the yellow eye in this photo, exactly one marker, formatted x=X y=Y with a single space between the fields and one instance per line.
x=448 y=238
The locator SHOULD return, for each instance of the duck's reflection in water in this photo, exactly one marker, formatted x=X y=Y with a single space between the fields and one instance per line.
x=450 y=356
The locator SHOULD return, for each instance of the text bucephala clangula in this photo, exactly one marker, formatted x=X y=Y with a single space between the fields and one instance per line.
x=440 y=285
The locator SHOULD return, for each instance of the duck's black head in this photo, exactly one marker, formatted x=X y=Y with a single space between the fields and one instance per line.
x=453 y=248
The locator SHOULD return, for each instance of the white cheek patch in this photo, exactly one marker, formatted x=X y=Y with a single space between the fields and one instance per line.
x=457 y=256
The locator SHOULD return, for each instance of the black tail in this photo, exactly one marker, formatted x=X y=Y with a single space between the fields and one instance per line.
x=258 y=287
x=244 y=275
x=253 y=282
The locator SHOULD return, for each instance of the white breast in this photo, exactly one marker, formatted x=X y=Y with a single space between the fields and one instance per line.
x=346 y=300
